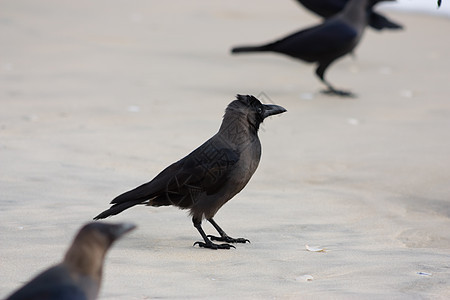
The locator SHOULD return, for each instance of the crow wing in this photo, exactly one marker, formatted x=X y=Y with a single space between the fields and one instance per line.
x=204 y=170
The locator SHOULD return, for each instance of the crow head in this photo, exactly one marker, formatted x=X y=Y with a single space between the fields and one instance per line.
x=249 y=108
x=106 y=231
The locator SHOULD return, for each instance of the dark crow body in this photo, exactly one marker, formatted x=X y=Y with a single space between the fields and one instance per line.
x=212 y=174
x=328 y=8
x=323 y=44
x=79 y=275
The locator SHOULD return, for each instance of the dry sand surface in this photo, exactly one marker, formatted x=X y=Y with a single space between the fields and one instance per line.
x=98 y=96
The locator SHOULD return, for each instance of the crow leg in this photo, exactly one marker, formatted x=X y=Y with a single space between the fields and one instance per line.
x=223 y=236
x=207 y=242
x=332 y=91
x=320 y=72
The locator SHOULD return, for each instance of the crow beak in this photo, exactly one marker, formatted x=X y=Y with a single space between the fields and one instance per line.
x=121 y=228
x=272 y=109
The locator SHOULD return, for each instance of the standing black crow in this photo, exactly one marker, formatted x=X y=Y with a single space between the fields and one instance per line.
x=212 y=174
x=324 y=43
x=79 y=275
x=328 y=8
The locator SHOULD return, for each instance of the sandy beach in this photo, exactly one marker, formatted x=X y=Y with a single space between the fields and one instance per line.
x=97 y=97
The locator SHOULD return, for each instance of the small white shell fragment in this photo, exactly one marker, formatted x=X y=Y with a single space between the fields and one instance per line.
x=133 y=108
x=353 y=121
x=136 y=17
x=304 y=278
x=7 y=66
x=424 y=273
x=307 y=96
x=31 y=118
x=385 y=70
x=314 y=249
x=406 y=93
x=354 y=69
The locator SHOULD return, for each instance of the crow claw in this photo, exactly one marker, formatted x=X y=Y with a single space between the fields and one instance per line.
x=228 y=239
x=213 y=246
x=340 y=93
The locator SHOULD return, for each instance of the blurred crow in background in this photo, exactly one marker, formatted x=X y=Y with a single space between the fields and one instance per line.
x=324 y=43
x=328 y=8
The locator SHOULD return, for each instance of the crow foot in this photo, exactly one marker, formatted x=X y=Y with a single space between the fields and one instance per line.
x=340 y=93
x=228 y=239
x=213 y=246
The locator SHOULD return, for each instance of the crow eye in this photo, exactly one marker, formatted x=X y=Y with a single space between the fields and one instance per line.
x=259 y=110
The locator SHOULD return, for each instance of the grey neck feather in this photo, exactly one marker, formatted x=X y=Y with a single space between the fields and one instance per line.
x=355 y=12
x=234 y=118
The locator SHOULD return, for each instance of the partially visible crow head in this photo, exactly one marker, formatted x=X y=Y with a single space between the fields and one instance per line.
x=87 y=253
x=103 y=233
x=90 y=245
x=254 y=111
